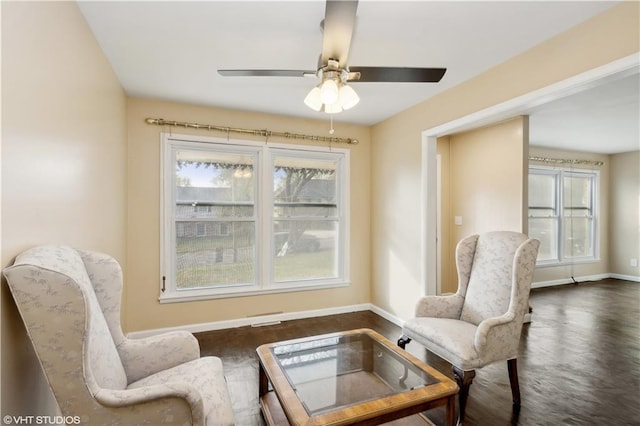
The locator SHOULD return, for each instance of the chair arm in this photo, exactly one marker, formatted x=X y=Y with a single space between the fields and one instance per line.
x=161 y=400
x=497 y=335
x=143 y=357
x=440 y=306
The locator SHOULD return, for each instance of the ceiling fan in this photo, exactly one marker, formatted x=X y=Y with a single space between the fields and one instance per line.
x=333 y=94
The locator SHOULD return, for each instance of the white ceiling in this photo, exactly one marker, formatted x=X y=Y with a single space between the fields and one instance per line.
x=172 y=50
x=604 y=119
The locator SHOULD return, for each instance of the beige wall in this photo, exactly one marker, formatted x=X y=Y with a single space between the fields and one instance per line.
x=624 y=223
x=564 y=272
x=486 y=185
x=143 y=311
x=63 y=163
x=396 y=142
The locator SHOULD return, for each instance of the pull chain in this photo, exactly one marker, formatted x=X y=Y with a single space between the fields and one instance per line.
x=331 y=130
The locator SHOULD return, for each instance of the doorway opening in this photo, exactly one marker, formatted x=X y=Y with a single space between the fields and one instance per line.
x=517 y=106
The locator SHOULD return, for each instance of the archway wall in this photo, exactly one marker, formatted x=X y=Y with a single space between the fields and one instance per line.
x=398 y=263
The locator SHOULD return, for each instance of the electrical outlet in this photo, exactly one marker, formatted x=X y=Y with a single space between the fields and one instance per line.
x=634 y=262
x=457 y=220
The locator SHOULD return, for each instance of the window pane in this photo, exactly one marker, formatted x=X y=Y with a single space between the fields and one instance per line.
x=577 y=242
x=542 y=193
x=214 y=184
x=304 y=187
x=209 y=186
x=577 y=192
x=214 y=254
x=305 y=250
x=545 y=230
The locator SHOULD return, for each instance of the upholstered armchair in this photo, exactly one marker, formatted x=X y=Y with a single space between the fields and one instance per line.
x=69 y=301
x=481 y=323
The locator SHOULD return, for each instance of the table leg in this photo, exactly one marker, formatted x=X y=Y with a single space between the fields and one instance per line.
x=263 y=381
x=450 y=414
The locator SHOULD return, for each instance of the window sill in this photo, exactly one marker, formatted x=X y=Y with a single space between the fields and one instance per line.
x=553 y=264
x=243 y=291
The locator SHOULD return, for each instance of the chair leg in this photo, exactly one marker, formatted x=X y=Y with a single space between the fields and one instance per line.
x=463 y=379
x=513 y=379
x=403 y=341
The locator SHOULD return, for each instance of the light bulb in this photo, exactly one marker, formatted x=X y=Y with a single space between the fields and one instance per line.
x=348 y=97
x=313 y=100
x=329 y=92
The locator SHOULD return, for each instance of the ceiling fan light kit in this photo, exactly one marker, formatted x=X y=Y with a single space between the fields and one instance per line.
x=332 y=94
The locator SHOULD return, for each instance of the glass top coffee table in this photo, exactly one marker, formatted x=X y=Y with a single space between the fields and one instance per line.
x=345 y=378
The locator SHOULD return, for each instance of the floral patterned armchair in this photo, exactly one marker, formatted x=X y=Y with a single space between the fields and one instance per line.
x=481 y=323
x=69 y=301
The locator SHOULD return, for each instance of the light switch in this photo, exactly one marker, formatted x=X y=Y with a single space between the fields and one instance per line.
x=458 y=220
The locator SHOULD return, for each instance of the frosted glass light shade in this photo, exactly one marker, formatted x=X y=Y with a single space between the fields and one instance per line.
x=333 y=108
x=313 y=100
x=348 y=97
x=329 y=92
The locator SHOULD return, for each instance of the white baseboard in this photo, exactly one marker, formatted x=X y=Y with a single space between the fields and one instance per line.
x=569 y=280
x=260 y=320
x=386 y=315
x=625 y=277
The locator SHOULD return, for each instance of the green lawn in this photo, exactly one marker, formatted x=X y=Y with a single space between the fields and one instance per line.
x=293 y=266
x=317 y=264
x=187 y=245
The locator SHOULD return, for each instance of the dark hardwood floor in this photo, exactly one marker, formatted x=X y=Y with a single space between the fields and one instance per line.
x=579 y=361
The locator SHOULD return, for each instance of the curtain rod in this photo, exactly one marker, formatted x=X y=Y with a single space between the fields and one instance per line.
x=565 y=161
x=255 y=132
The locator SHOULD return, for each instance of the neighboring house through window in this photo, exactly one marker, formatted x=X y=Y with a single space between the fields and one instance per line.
x=562 y=214
x=242 y=217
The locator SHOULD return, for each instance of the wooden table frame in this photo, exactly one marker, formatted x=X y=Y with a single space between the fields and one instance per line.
x=372 y=412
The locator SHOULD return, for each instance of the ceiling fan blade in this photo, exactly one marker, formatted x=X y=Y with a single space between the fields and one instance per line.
x=398 y=74
x=266 y=73
x=339 y=22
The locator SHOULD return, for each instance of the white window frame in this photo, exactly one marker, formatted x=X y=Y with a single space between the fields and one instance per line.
x=263 y=212
x=560 y=174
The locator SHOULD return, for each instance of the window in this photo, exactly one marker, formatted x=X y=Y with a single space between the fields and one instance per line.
x=562 y=214
x=242 y=217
